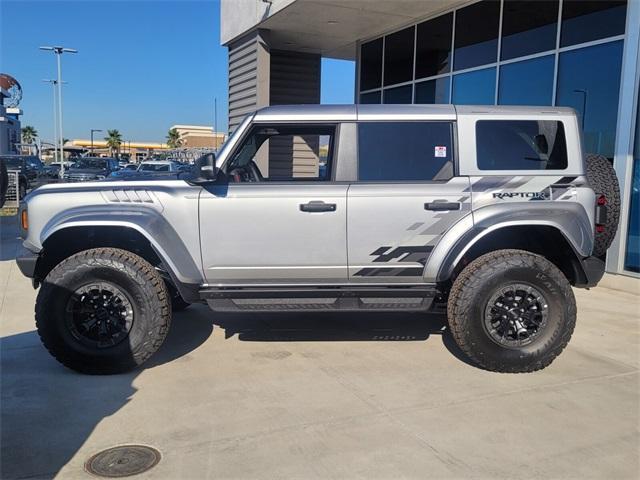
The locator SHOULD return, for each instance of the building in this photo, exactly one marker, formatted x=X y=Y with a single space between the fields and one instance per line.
x=559 y=52
x=10 y=130
x=198 y=136
x=133 y=151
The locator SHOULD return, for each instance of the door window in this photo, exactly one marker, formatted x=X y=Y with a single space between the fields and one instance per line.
x=405 y=151
x=277 y=153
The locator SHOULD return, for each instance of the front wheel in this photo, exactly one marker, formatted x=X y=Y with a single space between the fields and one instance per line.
x=103 y=311
x=511 y=311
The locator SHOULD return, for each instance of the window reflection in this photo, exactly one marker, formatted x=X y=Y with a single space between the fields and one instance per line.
x=527 y=83
x=589 y=82
x=371 y=97
x=398 y=95
x=398 y=56
x=433 y=47
x=475 y=88
x=476 y=40
x=584 y=21
x=433 y=91
x=528 y=27
x=371 y=65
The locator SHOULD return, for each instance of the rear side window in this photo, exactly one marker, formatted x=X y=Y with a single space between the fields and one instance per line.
x=405 y=151
x=521 y=145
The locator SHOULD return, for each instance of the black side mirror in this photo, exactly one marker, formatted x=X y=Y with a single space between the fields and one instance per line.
x=205 y=169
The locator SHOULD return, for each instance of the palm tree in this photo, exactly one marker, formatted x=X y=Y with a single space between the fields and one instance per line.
x=173 y=139
x=29 y=134
x=114 y=140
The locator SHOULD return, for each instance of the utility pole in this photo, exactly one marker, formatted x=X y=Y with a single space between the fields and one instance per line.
x=58 y=51
x=55 y=118
x=215 y=121
x=93 y=130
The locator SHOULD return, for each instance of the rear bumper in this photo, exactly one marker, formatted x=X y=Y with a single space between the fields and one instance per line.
x=593 y=269
x=26 y=261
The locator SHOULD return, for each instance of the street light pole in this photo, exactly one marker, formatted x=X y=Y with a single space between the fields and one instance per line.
x=55 y=118
x=93 y=130
x=58 y=51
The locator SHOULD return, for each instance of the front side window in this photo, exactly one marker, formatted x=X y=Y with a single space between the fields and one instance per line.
x=520 y=145
x=280 y=153
x=405 y=151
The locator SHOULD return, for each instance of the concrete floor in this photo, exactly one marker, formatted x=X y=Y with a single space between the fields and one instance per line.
x=325 y=396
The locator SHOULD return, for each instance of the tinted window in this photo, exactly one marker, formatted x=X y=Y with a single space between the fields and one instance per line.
x=475 y=88
x=398 y=95
x=433 y=91
x=527 y=83
x=433 y=47
x=589 y=82
x=476 y=40
x=520 y=145
x=583 y=21
x=398 y=56
x=405 y=151
x=371 y=97
x=371 y=65
x=528 y=27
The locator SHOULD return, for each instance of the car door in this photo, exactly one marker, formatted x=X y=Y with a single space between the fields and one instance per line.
x=276 y=220
x=405 y=199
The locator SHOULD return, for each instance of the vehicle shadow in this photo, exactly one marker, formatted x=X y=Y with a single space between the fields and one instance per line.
x=9 y=240
x=49 y=411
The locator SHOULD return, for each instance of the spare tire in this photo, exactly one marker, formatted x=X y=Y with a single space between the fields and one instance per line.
x=603 y=180
x=4 y=182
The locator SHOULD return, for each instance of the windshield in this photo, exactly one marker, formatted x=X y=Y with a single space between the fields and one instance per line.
x=95 y=163
x=154 y=167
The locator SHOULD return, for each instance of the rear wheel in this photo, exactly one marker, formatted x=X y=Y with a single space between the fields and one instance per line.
x=103 y=311
x=603 y=180
x=511 y=311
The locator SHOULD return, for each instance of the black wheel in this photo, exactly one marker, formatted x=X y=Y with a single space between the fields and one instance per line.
x=511 y=311
x=103 y=311
x=603 y=180
x=4 y=182
x=177 y=303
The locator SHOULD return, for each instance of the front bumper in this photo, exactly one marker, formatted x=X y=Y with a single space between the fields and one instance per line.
x=26 y=261
x=593 y=270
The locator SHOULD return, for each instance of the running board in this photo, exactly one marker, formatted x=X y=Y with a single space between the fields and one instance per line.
x=323 y=299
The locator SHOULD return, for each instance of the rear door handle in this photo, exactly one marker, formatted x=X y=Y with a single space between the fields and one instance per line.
x=317 y=206
x=439 y=206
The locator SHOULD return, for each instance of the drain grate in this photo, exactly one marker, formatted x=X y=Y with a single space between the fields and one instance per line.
x=123 y=461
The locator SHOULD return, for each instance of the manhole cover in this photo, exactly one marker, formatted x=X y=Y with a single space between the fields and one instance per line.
x=123 y=461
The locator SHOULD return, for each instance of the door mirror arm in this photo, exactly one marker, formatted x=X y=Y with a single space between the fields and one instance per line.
x=205 y=171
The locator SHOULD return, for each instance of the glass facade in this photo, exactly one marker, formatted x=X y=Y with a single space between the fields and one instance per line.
x=432 y=91
x=632 y=257
x=475 y=88
x=529 y=82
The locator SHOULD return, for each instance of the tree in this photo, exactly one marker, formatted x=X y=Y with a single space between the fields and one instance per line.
x=114 y=140
x=29 y=134
x=173 y=139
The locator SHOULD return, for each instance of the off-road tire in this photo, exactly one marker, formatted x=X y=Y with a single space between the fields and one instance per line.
x=472 y=290
x=4 y=182
x=603 y=180
x=130 y=273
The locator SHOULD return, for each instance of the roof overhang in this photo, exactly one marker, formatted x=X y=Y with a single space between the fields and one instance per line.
x=332 y=27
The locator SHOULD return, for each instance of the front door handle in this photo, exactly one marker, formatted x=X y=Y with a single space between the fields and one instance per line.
x=440 y=206
x=317 y=206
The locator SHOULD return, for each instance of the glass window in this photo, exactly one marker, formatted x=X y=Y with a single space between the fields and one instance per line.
x=584 y=21
x=589 y=82
x=433 y=47
x=398 y=56
x=476 y=40
x=527 y=83
x=405 y=151
x=528 y=27
x=433 y=91
x=283 y=153
x=632 y=258
x=475 y=88
x=371 y=64
x=371 y=97
x=520 y=145
x=398 y=95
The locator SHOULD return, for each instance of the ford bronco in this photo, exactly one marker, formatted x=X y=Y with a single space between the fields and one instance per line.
x=492 y=213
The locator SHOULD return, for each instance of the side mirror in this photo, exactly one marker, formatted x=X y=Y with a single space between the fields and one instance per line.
x=205 y=169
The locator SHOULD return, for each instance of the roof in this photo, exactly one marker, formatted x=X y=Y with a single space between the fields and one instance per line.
x=348 y=113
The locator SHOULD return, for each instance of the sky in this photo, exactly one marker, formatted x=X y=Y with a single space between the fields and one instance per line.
x=141 y=67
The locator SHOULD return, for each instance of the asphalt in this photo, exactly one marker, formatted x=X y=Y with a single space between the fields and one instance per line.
x=324 y=396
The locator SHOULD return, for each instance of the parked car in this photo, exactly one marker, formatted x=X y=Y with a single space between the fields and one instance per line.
x=491 y=214
x=91 y=168
x=31 y=170
x=52 y=170
x=155 y=169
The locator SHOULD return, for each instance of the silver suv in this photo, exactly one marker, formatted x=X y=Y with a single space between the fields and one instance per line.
x=492 y=212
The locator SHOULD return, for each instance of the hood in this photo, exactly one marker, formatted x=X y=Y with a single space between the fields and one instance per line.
x=85 y=171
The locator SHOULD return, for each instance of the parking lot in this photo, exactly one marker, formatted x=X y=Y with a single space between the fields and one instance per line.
x=324 y=396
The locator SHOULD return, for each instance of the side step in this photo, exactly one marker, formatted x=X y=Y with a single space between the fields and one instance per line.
x=390 y=298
